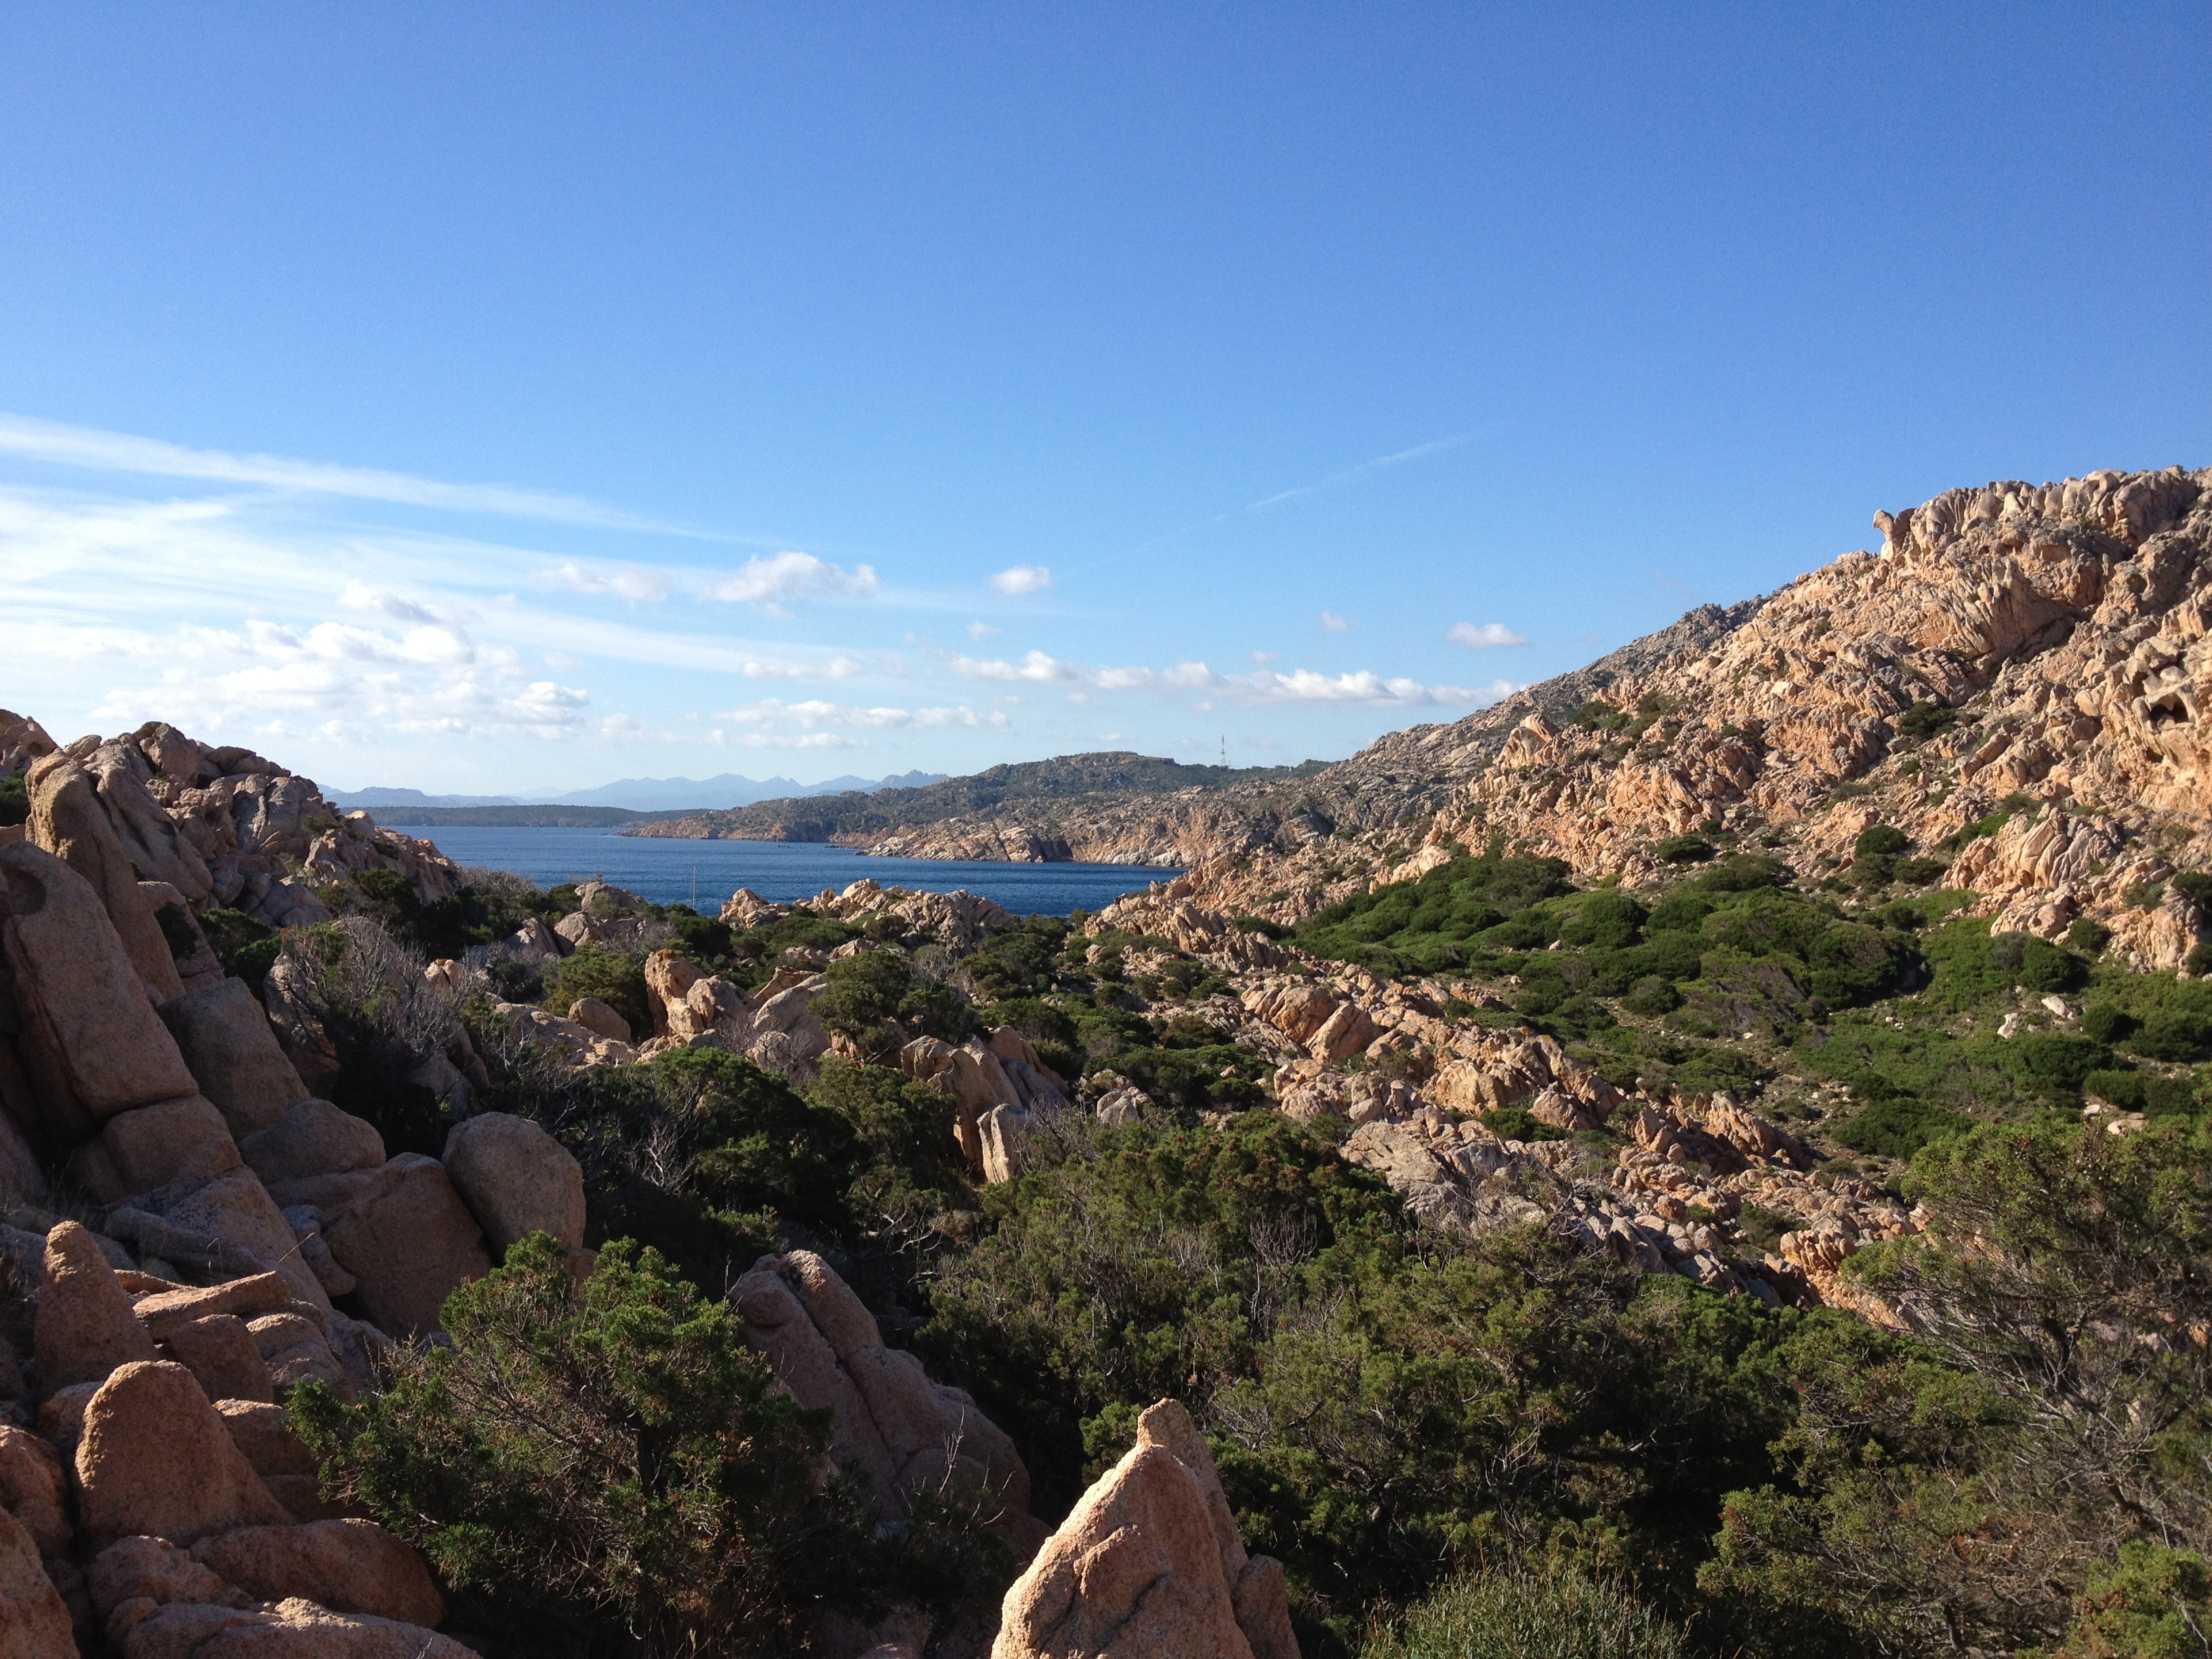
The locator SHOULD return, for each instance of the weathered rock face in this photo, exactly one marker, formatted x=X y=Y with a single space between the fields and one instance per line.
x=285 y=1630
x=85 y=1327
x=597 y=1016
x=402 y=1231
x=183 y=1141
x=902 y=1433
x=68 y=819
x=1150 y=1562
x=516 y=1179
x=34 y=1621
x=346 y=1565
x=154 y=1458
x=89 y=1041
x=777 y=1029
x=225 y=1037
x=312 y=1137
x=22 y=740
x=34 y=1489
x=997 y=1086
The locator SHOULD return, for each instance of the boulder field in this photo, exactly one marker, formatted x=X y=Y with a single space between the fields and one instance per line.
x=183 y=1219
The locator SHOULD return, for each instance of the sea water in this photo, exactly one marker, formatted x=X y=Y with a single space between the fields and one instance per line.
x=702 y=873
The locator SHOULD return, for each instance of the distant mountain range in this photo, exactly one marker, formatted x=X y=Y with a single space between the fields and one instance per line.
x=641 y=795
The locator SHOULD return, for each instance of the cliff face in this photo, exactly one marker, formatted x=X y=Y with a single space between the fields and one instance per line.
x=2012 y=683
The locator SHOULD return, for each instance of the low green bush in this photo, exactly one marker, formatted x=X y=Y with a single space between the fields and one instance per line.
x=1550 y=1610
x=611 y=1454
x=614 y=977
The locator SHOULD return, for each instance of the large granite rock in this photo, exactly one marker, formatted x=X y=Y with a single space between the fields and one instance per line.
x=85 y=1326
x=235 y=1212
x=516 y=1179
x=287 y=1630
x=34 y=1488
x=312 y=1137
x=34 y=1620
x=1149 y=1565
x=156 y=1458
x=403 y=1232
x=171 y=1141
x=68 y=820
x=347 y=1566
x=226 y=1039
x=898 y=1430
x=89 y=1041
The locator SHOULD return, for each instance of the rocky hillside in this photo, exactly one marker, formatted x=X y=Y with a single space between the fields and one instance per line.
x=1115 y=807
x=1722 y=1151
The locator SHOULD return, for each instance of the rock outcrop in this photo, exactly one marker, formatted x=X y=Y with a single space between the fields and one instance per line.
x=1150 y=1562
x=897 y=1430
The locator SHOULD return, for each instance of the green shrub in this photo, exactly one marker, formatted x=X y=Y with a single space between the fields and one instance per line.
x=1916 y=872
x=1606 y=921
x=2089 y=936
x=2056 y=1065
x=2176 y=1033
x=1652 y=996
x=1879 y=841
x=1927 y=719
x=610 y=1450
x=1515 y=1123
x=1260 y=926
x=247 y=948
x=2028 y=961
x=1683 y=849
x=15 y=800
x=867 y=989
x=1746 y=872
x=1900 y=1126
x=614 y=977
x=2151 y=1602
x=2107 y=1022
x=1553 y=1610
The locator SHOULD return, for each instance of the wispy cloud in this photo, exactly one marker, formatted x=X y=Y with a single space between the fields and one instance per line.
x=979 y=629
x=633 y=582
x=1485 y=637
x=1023 y=579
x=816 y=713
x=1365 y=469
x=767 y=583
x=1332 y=623
x=1304 y=685
x=120 y=451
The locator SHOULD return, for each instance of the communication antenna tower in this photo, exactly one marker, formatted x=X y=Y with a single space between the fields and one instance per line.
x=1225 y=749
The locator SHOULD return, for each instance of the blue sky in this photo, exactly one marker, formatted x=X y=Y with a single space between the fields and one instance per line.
x=508 y=398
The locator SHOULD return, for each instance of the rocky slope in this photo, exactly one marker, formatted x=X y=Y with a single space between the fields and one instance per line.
x=2011 y=681
x=1110 y=808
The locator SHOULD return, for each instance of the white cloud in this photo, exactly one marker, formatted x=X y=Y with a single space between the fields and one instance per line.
x=1484 y=637
x=1023 y=579
x=979 y=629
x=1263 y=658
x=1365 y=469
x=360 y=596
x=1332 y=623
x=816 y=713
x=121 y=452
x=767 y=582
x=1264 y=686
x=837 y=668
x=632 y=582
